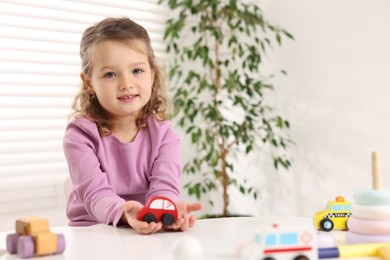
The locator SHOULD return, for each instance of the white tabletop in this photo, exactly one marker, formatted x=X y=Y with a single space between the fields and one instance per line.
x=218 y=237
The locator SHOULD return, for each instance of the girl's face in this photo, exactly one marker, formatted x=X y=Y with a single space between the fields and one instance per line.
x=121 y=78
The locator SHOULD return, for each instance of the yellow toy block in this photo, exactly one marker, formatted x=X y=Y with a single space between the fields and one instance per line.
x=46 y=243
x=384 y=252
x=30 y=226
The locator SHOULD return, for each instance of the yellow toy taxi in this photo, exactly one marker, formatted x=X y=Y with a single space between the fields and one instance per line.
x=334 y=216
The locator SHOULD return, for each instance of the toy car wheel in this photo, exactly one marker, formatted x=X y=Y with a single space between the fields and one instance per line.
x=301 y=257
x=269 y=258
x=168 y=219
x=12 y=243
x=60 y=244
x=326 y=224
x=150 y=218
x=26 y=246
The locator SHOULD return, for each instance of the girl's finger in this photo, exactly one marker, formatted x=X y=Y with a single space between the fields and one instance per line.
x=194 y=207
x=192 y=221
x=151 y=228
x=186 y=223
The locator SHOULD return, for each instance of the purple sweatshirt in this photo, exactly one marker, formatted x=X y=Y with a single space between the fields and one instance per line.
x=106 y=172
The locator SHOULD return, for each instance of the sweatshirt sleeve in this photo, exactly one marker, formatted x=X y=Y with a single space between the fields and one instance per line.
x=166 y=170
x=90 y=184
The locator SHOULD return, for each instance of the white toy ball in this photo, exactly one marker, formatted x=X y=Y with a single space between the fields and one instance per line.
x=187 y=248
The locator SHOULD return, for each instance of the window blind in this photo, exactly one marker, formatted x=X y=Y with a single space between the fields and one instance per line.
x=39 y=75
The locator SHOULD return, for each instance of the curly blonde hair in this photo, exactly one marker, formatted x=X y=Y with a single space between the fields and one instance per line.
x=122 y=30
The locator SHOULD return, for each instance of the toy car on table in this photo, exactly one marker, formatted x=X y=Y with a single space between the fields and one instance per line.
x=334 y=216
x=286 y=243
x=33 y=238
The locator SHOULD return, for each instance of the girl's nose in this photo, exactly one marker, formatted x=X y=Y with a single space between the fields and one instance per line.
x=126 y=82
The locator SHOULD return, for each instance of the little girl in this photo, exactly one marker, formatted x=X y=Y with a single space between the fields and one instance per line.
x=120 y=149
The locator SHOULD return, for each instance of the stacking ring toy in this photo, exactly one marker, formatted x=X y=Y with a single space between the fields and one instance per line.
x=356 y=238
x=372 y=197
x=376 y=212
x=369 y=227
x=325 y=240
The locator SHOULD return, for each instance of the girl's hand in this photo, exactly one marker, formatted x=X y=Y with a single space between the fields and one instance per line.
x=185 y=220
x=130 y=216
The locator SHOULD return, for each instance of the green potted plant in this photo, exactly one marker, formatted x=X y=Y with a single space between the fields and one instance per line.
x=218 y=48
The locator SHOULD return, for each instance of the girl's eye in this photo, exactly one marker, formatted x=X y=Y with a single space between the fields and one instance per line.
x=109 y=75
x=137 y=71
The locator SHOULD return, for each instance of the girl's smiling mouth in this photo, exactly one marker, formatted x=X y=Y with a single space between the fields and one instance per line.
x=127 y=98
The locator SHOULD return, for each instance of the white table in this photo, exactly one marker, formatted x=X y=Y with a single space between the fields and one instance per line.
x=218 y=237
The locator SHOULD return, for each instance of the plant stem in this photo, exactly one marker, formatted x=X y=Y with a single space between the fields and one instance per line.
x=224 y=179
x=223 y=149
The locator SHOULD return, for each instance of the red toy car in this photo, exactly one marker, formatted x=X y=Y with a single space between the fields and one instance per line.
x=159 y=209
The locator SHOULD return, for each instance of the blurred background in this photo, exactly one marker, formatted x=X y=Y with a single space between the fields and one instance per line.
x=335 y=96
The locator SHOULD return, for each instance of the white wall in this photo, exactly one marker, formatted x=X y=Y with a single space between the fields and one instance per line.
x=336 y=96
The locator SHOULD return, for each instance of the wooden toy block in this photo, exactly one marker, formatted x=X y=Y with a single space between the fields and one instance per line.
x=34 y=238
x=384 y=252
